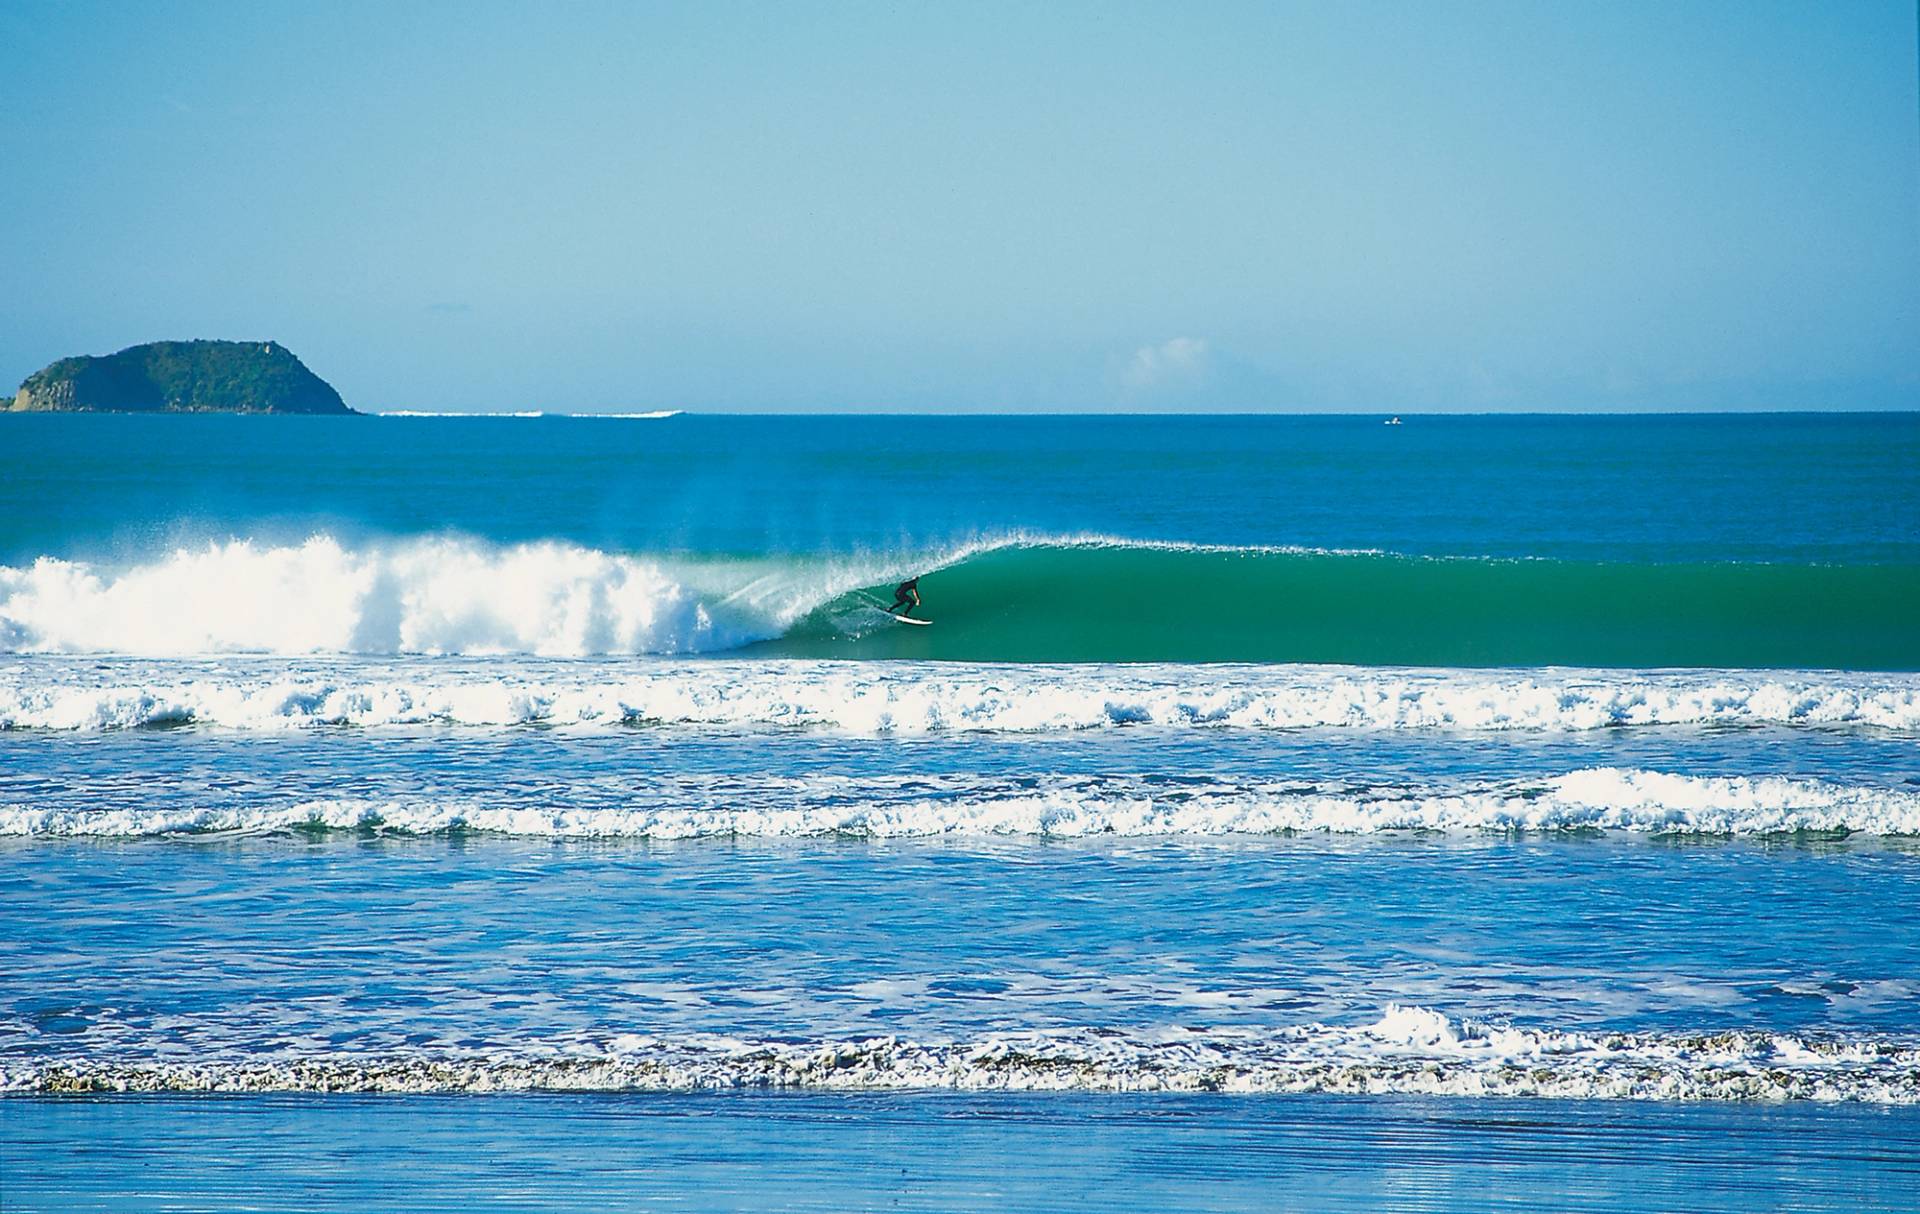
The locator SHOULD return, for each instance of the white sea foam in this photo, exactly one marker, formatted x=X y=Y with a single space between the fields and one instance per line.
x=439 y=595
x=1054 y=807
x=900 y=698
x=1410 y=1050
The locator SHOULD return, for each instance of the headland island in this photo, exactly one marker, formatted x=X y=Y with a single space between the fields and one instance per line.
x=181 y=377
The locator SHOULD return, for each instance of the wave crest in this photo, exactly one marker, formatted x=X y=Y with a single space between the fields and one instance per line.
x=1059 y=807
x=1410 y=1050
x=888 y=697
x=421 y=596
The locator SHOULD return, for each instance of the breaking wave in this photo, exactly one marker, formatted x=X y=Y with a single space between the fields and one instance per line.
x=427 y=596
x=1021 y=598
x=902 y=698
x=1410 y=1050
x=650 y=415
x=1052 y=807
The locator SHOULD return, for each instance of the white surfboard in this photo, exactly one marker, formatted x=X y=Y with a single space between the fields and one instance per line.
x=904 y=619
x=887 y=611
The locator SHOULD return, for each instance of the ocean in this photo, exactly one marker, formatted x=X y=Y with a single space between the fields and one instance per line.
x=1279 y=812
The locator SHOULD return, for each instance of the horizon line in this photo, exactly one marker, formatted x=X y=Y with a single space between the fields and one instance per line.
x=666 y=414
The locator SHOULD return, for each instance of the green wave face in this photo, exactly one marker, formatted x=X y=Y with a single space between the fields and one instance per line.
x=1093 y=604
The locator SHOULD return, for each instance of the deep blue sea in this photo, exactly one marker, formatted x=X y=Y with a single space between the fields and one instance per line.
x=1278 y=813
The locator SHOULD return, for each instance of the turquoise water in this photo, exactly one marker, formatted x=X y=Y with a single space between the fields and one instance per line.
x=938 y=1152
x=1629 y=542
x=1475 y=812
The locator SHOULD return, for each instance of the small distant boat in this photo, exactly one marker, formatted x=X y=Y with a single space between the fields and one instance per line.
x=1391 y=421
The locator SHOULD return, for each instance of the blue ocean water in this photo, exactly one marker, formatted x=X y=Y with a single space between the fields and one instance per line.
x=1833 y=488
x=1539 y=790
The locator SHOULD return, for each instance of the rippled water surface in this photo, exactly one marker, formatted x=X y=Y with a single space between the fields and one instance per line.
x=408 y=814
x=813 y=1153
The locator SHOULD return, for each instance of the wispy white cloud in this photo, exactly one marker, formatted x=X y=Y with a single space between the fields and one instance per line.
x=1174 y=364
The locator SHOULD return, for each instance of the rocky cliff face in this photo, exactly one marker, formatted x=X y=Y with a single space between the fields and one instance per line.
x=181 y=377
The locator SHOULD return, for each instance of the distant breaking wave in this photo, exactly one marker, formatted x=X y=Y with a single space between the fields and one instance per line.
x=904 y=698
x=1002 y=598
x=443 y=413
x=649 y=415
x=1410 y=1050
x=1053 y=807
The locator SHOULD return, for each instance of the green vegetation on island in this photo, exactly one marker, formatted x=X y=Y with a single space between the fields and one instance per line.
x=181 y=377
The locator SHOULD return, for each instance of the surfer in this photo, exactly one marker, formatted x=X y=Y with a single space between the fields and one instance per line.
x=907 y=592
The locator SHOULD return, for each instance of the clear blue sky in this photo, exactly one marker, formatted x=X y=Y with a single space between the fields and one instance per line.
x=1353 y=206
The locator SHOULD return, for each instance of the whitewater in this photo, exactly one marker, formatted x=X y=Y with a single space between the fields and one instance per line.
x=1408 y=1051
x=110 y=693
x=427 y=596
x=1521 y=772
x=1595 y=799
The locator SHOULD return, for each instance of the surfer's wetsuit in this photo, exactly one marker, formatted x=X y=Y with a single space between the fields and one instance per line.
x=906 y=592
